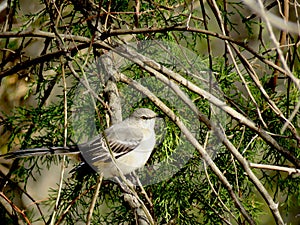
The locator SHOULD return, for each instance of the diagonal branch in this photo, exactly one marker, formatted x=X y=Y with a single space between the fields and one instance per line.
x=152 y=66
x=191 y=139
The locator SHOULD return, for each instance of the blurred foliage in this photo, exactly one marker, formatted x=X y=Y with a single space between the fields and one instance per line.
x=33 y=105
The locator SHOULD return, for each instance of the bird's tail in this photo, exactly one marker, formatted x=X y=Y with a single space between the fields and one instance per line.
x=72 y=150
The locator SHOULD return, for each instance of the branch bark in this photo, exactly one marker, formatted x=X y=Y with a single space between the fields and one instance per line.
x=191 y=139
x=157 y=70
x=153 y=67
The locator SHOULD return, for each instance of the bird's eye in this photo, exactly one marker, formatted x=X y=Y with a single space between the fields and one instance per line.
x=144 y=117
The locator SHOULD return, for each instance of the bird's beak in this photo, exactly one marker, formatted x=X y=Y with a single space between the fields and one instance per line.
x=160 y=116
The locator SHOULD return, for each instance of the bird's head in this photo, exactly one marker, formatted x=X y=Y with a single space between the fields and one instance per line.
x=144 y=116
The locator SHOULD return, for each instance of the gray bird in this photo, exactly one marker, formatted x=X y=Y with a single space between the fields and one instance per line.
x=130 y=142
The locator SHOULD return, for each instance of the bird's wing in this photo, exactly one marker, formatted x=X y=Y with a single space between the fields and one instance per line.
x=120 y=140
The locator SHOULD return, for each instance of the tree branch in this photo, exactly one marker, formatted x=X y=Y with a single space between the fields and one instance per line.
x=191 y=139
x=157 y=69
x=272 y=167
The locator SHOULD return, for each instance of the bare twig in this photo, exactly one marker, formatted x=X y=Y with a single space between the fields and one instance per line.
x=62 y=171
x=277 y=168
x=264 y=93
x=94 y=199
x=272 y=19
x=63 y=215
x=212 y=186
x=16 y=208
x=9 y=182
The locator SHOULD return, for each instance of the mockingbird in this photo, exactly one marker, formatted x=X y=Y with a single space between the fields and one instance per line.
x=129 y=142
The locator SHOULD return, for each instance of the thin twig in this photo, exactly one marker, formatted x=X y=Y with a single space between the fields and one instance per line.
x=212 y=186
x=272 y=167
x=16 y=208
x=143 y=191
x=62 y=171
x=264 y=93
x=94 y=199
x=63 y=215
x=16 y=186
